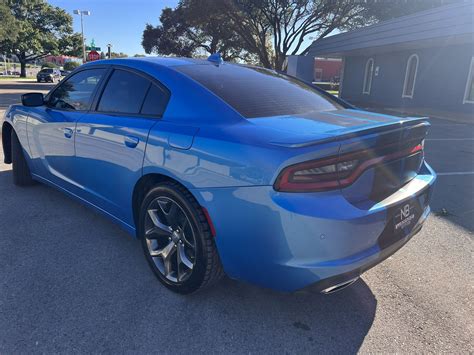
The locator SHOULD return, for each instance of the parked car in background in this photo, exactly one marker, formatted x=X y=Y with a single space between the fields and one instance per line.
x=48 y=75
x=221 y=167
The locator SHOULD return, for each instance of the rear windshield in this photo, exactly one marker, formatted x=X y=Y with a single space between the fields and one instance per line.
x=47 y=71
x=257 y=92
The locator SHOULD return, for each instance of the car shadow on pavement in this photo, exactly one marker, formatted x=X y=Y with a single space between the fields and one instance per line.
x=70 y=280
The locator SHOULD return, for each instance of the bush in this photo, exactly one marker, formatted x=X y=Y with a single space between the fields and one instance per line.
x=70 y=66
x=48 y=65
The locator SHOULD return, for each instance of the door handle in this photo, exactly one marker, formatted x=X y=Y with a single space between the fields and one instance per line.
x=68 y=132
x=131 y=141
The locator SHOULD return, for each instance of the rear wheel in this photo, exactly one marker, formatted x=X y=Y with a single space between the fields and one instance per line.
x=21 y=171
x=177 y=241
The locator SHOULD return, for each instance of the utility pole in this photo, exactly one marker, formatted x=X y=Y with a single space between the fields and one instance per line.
x=85 y=13
x=109 y=47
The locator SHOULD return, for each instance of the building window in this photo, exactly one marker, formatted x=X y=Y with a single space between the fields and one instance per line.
x=318 y=74
x=369 y=71
x=410 y=76
x=469 y=91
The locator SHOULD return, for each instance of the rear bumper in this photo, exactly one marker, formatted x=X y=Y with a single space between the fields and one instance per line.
x=288 y=241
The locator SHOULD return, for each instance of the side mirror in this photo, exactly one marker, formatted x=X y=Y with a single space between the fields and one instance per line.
x=32 y=99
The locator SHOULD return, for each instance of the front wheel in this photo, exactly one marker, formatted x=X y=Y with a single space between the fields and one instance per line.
x=21 y=171
x=177 y=240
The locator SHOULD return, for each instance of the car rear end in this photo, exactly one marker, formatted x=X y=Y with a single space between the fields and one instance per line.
x=375 y=196
x=348 y=187
x=334 y=210
x=45 y=75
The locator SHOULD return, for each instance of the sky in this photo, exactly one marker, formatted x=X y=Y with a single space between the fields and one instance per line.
x=118 y=22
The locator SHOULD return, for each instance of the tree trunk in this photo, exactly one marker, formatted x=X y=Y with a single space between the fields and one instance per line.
x=23 y=69
x=22 y=58
x=279 y=60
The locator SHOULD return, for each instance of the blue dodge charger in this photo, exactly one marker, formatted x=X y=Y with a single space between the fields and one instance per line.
x=221 y=168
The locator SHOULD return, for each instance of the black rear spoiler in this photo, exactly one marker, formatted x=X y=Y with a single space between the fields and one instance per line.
x=417 y=122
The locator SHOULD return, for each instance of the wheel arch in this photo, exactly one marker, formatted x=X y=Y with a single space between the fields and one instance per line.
x=143 y=185
x=7 y=129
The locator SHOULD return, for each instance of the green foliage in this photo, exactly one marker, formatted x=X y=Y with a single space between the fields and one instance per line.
x=42 y=29
x=118 y=55
x=194 y=28
x=8 y=24
x=71 y=65
x=48 y=65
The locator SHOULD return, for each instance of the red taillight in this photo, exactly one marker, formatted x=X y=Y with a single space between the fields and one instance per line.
x=335 y=172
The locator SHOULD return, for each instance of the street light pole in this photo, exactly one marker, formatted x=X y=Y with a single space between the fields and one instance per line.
x=109 y=46
x=85 y=13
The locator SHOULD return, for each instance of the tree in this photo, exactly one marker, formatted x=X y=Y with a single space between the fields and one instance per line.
x=286 y=23
x=42 y=30
x=8 y=25
x=118 y=55
x=70 y=66
x=194 y=28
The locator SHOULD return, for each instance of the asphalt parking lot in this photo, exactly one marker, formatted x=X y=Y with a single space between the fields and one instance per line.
x=71 y=281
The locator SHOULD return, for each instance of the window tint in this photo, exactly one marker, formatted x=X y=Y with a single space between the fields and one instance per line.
x=257 y=92
x=124 y=93
x=76 y=92
x=155 y=101
x=47 y=71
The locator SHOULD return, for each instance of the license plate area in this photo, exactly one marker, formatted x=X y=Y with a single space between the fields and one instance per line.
x=406 y=216
x=401 y=220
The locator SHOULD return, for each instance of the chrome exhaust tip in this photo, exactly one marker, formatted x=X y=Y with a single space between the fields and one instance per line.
x=339 y=286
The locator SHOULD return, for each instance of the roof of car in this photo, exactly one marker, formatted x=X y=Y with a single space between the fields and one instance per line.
x=162 y=61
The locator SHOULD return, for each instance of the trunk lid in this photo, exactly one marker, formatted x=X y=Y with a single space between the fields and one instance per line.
x=321 y=127
x=388 y=149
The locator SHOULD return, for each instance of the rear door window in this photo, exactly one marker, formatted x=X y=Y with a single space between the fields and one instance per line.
x=124 y=93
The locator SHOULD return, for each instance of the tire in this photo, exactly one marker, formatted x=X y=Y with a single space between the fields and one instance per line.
x=21 y=171
x=199 y=251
